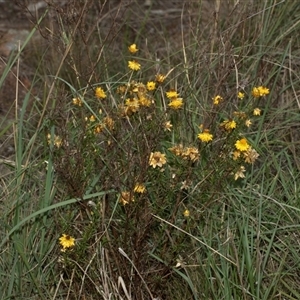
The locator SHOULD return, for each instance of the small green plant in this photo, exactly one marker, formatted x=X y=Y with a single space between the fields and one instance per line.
x=124 y=137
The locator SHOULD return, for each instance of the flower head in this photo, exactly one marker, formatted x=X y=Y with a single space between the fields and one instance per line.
x=145 y=101
x=66 y=241
x=157 y=159
x=250 y=155
x=99 y=93
x=92 y=118
x=134 y=65
x=248 y=123
x=160 y=78
x=77 y=101
x=260 y=91
x=168 y=126
x=172 y=94
x=187 y=153
x=241 y=95
x=256 y=111
x=54 y=140
x=151 y=85
x=132 y=105
x=191 y=153
x=109 y=123
x=126 y=198
x=236 y=154
x=186 y=213
x=176 y=103
x=229 y=125
x=240 y=173
x=205 y=136
x=217 y=99
x=242 y=145
x=139 y=188
x=133 y=49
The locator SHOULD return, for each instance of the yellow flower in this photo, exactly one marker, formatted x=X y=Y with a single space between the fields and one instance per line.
x=66 y=241
x=168 y=126
x=151 y=85
x=217 y=99
x=186 y=213
x=176 y=103
x=55 y=140
x=133 y=49
x=205 y=136
x=236 y=154
x=256 y=112
x=126 y=198
x=260 y=91
x=177 y=150
x=92 y=118
x=122 y=89
x=77 y=101
x=99 y=93
x=134 y=65
x=191 y=153
x=109 y=122
x=157 y=159
x=240 y=114
x=144 y=101
x=240 y=173
x=172 y=94
x=242 y=145
x=248 y=123
x=138 y=87
x=228 y=125
x=240 y=95
x=132 y=105
x=98 y=129
x=250 y=155
x=160 y=78
x=139 y=188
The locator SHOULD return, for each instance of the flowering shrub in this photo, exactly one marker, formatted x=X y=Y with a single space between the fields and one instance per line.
x=125 y=138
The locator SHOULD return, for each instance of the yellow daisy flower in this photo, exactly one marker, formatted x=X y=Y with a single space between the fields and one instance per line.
x=250 y=155
x=205 y=136
x=99 y=93
x=241 y=95
x=126 y=198
x=133 y=49
x=242 y=145
x=256 y=112
x=229 y=125
x=168 y=126
x=55 y=140
x=217 y=99
x=77 y=101
x=260 y=91
x=66 y=241
x=157 y=159
x=240 y=173
x=151 y=85
x=172 y=94
x=248 y=123
x=134 y=65
x=186 y=213
x=139 y=188
x=160 y=78
x=176 y=103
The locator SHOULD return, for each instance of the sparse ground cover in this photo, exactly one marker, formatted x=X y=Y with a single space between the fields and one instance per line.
x=155 y=153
